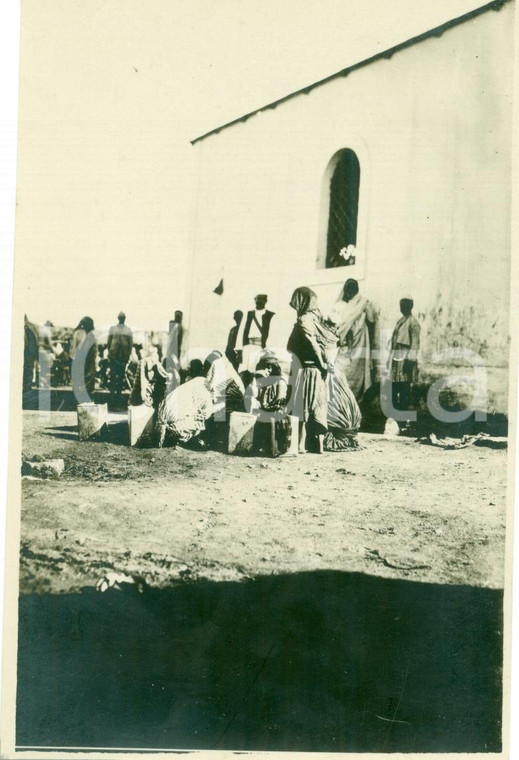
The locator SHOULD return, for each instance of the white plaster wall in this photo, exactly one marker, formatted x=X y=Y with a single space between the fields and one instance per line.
x=432 y=129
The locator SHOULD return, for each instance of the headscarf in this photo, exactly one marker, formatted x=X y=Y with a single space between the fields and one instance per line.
x=303 y=300
x=210 y=359
x=86 y=324
x=224 y=383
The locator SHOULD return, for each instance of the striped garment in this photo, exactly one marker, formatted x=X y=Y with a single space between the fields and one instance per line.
x=344 y=415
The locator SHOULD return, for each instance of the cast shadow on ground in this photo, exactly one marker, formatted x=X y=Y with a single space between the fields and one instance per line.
x=116 y=433
x=312 y=661
x=64 y=433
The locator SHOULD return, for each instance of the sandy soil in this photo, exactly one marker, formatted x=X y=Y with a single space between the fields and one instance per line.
x=396 y=509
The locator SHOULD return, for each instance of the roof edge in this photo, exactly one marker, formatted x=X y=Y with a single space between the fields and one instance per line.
x=495 y=5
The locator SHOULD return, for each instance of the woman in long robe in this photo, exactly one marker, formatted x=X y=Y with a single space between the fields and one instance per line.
x=354 y=319
x=308 y=342
x=83 y=353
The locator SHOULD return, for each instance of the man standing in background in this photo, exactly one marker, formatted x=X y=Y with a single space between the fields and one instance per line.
x=119 y=344
x=256 y=333
x=231 y=351
x=403 y=359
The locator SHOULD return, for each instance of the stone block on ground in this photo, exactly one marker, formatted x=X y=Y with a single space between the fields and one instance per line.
x=241 y=433
x=140 y=421
x=50 y=469
x=248 y=435
x=268 y=441
x=92 y=420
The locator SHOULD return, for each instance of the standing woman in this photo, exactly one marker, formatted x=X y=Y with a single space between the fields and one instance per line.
x=308 y=343
x=354 y=319
x=84 y=360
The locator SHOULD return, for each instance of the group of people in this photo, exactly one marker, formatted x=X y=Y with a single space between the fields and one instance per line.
x=109 y=365
x=330 y=372
x=78 y=359
x=336 y=369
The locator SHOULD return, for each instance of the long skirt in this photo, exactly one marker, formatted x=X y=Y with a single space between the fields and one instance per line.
x=344 y=416
x=84 y=371
x=183 y=413
x=310 y=400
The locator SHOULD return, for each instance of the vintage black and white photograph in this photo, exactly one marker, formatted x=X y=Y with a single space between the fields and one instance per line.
x=263 y=379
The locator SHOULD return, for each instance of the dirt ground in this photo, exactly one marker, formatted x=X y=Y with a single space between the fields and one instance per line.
x=396 y=509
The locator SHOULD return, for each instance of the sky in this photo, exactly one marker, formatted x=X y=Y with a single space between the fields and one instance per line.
x=112 y=92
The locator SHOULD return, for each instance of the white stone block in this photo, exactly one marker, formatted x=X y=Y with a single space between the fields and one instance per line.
x=241 y=433
x=246 y=436
x=92 y=420
x=140 y=420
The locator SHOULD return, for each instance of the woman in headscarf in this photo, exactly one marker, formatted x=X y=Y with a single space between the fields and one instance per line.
x=354 y=320
x=225 y=385
x=310 y=338
x=83 y=352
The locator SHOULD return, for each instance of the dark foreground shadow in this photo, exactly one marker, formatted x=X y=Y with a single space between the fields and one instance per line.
x=311 y=661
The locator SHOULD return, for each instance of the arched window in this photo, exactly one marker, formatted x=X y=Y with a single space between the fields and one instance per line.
x=343 y=210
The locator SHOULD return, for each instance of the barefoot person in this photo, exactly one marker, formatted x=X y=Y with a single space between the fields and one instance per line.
x=308 y=342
